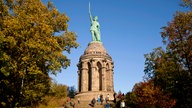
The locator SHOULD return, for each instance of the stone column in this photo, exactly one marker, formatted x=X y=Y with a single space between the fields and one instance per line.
x=79 y=82
x=104 y=76
x=94 y=77
x=84 y=71
x=111 y=76
x=112 y=81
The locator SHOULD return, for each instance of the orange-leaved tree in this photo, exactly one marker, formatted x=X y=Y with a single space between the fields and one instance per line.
x=149 y=96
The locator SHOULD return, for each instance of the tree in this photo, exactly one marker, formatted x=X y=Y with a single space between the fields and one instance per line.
x=71 y=91
x=187 y=4
x=130 y=100
x=58 y=90
x=178 y=37
x=172 y=69
x=146 y=95
x=33 y=40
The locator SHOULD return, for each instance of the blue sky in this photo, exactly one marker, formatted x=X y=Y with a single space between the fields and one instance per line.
x=129 y=29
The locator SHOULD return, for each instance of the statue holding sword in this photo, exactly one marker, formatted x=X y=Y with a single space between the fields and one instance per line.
x=95 y=27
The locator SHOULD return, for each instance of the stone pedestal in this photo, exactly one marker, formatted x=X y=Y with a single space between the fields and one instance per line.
x=88 y=96
x=95 y=72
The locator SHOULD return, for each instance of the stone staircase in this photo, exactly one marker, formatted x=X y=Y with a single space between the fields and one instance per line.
x=86 y=104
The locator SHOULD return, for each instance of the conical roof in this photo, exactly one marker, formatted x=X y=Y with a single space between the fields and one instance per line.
x=95 y=49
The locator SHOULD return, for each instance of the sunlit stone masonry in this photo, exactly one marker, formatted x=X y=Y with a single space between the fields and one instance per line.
x=95 y=73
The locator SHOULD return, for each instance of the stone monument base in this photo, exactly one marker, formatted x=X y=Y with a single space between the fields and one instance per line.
x=88 y=96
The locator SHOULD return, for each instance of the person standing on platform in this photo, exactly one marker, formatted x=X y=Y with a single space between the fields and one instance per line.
x=122 y=105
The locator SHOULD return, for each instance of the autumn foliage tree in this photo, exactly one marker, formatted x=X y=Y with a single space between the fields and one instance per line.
x=146 y=95
x=33 y=40
x=171 y=69
x=58 y=90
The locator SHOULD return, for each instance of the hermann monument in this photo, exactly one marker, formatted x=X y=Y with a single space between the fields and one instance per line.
x=95 y=67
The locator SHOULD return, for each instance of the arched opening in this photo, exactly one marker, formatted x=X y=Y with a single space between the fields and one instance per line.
x=89 y=77
x=99 y=69
x=107 y=70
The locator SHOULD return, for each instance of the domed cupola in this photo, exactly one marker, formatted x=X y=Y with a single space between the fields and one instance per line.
x=95 y=49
